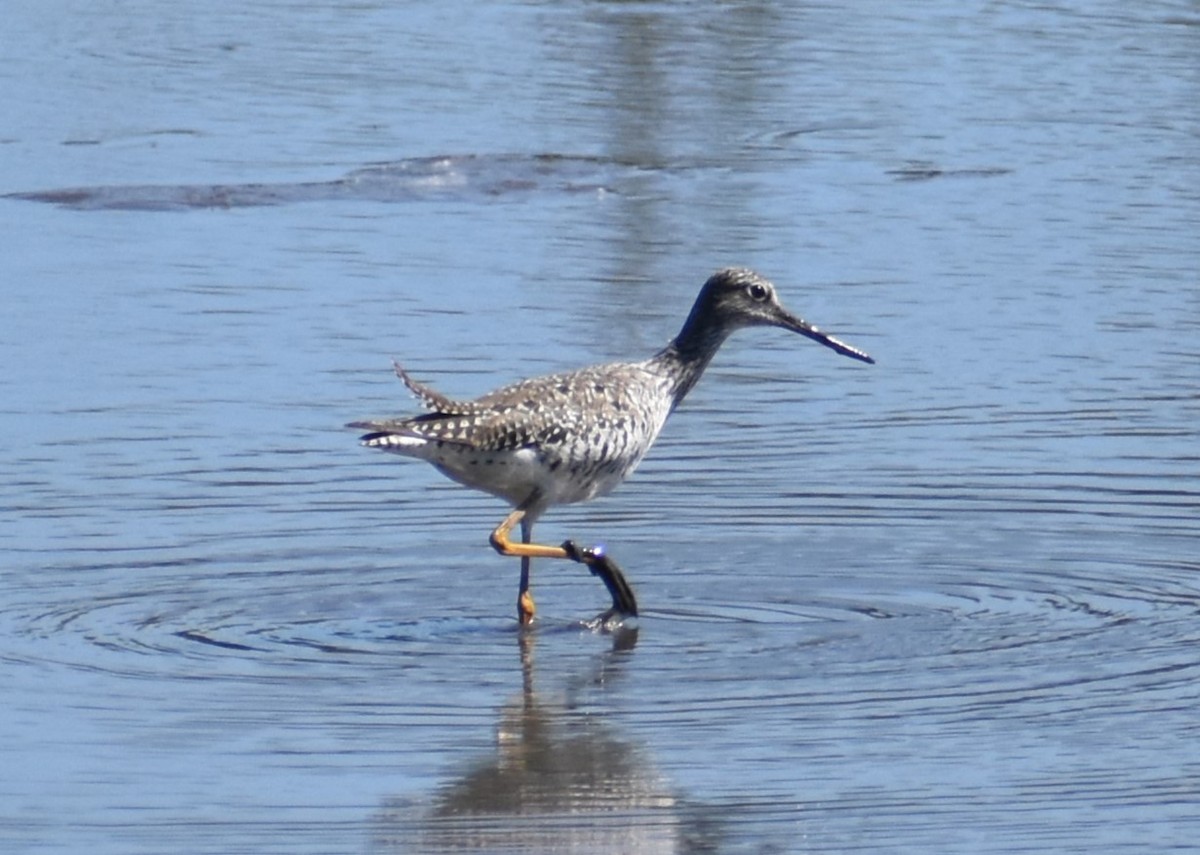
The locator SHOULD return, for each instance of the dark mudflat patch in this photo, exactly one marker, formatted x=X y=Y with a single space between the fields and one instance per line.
x=464 y=177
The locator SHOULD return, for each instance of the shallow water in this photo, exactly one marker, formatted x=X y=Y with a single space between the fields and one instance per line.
x=948 y=602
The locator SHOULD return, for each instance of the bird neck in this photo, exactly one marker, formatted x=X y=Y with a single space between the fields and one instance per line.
x=683 y=361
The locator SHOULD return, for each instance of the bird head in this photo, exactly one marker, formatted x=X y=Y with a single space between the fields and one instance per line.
x=736 y=297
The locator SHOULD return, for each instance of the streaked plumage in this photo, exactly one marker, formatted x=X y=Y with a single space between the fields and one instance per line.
x=570 y=437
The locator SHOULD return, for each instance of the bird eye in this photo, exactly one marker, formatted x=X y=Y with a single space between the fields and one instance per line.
x=758 y=292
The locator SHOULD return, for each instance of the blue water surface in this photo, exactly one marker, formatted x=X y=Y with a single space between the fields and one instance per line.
x=945 y=603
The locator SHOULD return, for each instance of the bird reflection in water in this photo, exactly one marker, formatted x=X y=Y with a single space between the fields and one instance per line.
x=561 y=780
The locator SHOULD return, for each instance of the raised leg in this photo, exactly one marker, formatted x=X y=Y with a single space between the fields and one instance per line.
x=504 y=546
x=624 y=604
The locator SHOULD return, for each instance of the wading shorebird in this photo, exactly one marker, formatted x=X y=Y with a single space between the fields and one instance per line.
x=571 y=437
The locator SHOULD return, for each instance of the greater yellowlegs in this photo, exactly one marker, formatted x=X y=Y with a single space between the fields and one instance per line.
x=570 y=437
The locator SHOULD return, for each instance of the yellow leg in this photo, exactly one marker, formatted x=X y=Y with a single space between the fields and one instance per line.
x=504 y=546
x=525 y=551
x=595 y=559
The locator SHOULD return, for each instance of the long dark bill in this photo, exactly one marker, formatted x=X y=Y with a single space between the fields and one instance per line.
x=803 y=327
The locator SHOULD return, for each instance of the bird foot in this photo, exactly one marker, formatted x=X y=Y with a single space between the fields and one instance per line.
x=525 y=608
x=581 y=555
x=624 y=604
